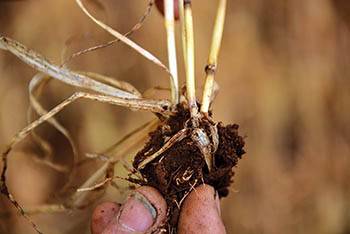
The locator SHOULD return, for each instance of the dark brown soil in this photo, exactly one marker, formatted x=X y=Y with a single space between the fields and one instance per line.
x=182 y=167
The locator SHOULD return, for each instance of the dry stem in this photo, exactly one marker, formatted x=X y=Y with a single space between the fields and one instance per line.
x=213 y=56
x=40 y=63
x=128 y=42
x=183 y=31
x=120 y=148
x=170 y=29
x=179 y=136
x=137 y=26
x=35 y=83
x=190 y=66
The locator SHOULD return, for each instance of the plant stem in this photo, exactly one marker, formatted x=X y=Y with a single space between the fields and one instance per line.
x=210 y=69
x=190 y=66
x=170 y=29
x=183 y=32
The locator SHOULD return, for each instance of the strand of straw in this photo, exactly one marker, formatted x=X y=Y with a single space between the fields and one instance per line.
x=213 y=56
x=171 y=43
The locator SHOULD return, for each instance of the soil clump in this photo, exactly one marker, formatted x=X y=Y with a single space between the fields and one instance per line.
x=182 y=167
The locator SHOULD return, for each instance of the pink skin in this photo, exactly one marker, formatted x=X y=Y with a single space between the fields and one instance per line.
x=145 y=212
x=200 y=213
x=103 y=215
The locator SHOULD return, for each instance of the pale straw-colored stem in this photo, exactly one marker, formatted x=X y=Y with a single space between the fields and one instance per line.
x=170 y=29
x=183 y=36
x=125 y=40
x=190 y=67
x=213 y=56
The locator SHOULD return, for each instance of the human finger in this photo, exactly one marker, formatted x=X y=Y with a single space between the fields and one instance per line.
x=143 y=212
x=103 y=215
x=200 y=212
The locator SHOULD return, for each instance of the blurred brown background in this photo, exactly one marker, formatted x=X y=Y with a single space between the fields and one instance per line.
x=284 y=75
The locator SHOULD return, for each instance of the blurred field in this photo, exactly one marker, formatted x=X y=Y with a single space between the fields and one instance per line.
x=284 y=73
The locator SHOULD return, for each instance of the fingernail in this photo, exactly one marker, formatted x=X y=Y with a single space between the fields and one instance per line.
x=137 y=214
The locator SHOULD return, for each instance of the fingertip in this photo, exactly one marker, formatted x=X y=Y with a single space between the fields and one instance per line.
x=102 y=215
x=158 y=201
x=143 y=212
x=200 y=213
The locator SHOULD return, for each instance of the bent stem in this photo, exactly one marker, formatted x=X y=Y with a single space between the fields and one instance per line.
x=40 y=63
x=190 y=66
x=210 y=69
x=126 y=40
x=122 y=38
x=150 y=105
x=179 y=136
x=5 y=191
x=38 y=82
x=170 y=29
x=136 y=27
x=119 y=150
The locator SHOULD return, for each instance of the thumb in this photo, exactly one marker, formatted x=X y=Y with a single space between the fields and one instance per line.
x=200 y=212
x=143 y=212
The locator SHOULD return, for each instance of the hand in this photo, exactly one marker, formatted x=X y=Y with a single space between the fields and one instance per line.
x=145 y=210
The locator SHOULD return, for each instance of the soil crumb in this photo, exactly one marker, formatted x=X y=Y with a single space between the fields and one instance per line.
x=182 y=167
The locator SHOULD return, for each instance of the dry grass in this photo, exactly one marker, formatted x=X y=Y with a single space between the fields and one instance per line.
x=284 y=76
